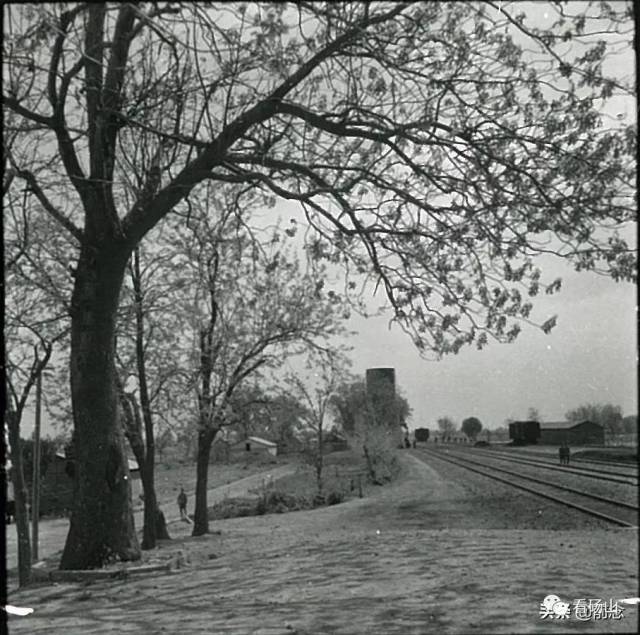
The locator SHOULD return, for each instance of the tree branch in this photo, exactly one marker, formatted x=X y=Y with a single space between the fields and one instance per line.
x=142 y=218
x=29 y=177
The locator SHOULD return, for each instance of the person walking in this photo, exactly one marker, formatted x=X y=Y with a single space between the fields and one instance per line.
x=182 y=504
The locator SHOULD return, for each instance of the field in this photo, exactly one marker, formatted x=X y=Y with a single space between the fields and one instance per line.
x=170 y=477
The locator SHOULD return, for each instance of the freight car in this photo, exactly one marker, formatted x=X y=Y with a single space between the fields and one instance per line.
x=524 y=432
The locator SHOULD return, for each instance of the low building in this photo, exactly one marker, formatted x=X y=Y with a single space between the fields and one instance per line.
x=571 y=432
x=253 y=444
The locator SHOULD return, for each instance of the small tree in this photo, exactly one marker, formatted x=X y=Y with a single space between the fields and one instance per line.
x=378 y=444
x=472 y=426
x=447 y=427
x=350 y=399
x=315 y=393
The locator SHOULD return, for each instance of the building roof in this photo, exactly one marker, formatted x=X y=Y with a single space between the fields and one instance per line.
x=563 y=425
x=265 y=442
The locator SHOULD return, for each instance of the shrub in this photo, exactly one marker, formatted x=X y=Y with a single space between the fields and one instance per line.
x=233 y=508
x=334 y=497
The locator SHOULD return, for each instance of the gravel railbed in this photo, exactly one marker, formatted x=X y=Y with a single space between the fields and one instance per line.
x=493 y=505
x=627 y=469
x=615 y=491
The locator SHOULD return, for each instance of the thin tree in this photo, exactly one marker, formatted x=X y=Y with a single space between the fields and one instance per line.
x=35 y=323
x=147 y=355
x=447 y=427
x=315 y=393
x=425 y=142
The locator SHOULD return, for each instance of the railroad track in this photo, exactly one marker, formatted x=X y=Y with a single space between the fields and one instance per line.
x=601 y=475
x=614 y=465
x=613 y=511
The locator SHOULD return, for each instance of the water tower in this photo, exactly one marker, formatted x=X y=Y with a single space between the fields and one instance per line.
x=381 y=393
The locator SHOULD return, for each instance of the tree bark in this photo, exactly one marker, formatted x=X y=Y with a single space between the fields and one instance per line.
x=201 y=515
x=320 y=460
x=152 y=513
x=154 y=522
x=102 y=528
x=155 y=526
x=20 y=497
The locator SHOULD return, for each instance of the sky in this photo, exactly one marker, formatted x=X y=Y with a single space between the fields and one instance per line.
x=589 y=357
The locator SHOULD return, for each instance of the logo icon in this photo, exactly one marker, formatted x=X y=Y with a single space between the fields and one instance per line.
x=554 y=608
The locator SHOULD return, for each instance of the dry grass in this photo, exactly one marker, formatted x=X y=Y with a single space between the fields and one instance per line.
x=171 y=477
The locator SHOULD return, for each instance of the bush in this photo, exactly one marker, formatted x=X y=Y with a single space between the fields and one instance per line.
x=279 y=502
x=233 y=508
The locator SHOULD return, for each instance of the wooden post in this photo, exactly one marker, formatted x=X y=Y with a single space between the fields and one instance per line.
x=35 y=485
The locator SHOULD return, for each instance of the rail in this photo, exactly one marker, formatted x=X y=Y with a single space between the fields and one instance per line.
x=463 y=462
x=602 y=475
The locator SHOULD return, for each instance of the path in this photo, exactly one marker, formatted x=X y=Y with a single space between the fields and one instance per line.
x=53 y=532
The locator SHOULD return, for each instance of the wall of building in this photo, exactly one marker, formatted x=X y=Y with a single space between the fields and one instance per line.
x=586 y=433
x=381 y=393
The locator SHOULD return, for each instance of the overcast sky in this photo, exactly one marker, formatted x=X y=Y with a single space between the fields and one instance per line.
x=589 y=357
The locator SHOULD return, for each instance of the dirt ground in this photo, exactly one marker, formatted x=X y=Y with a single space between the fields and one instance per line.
x=415 y=557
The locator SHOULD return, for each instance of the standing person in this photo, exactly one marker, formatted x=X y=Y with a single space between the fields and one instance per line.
x=182 y=504
x=561 y=454
x=567 y=454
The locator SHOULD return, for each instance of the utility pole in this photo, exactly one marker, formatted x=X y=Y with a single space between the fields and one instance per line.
x=35 y=485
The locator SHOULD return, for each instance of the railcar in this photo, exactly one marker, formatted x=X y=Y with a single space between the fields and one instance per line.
x=524 y=432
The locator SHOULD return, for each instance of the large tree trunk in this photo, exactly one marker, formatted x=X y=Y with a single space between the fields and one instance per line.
x=201 y=516
x=20 y=500
x=102 y=528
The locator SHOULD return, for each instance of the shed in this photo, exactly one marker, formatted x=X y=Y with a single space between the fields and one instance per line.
x=571 y=432
x=262 y=444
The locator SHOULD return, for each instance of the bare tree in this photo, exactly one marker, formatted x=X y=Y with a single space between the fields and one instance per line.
x=34 y=323
x=425 y=142
x=153 y=371
x=315 y=392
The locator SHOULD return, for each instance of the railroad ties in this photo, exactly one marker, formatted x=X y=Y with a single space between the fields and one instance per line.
x=618 y=512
